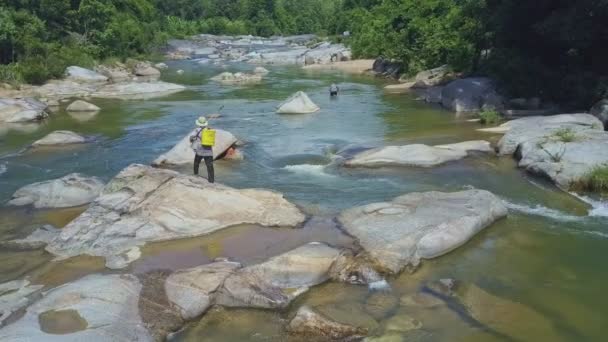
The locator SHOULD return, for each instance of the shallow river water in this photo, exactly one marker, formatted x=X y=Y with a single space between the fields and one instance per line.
x=540 y=273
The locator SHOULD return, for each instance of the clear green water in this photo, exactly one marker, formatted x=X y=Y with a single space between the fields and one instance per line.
x=548 y=256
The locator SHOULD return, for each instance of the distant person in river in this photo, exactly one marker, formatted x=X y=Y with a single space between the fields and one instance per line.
x=333 y=90
x=202 y=144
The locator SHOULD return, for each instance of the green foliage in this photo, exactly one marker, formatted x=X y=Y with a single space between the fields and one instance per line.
x=551 y=49
x=596 y=180
x=489 y=117
x=565 y=135
x=10 y=73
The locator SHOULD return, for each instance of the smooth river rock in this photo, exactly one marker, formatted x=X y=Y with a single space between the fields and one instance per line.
x=82 y=75
x=60 y=138
x=539 y=145
x=144 y=204
x=82 y=106
x=470 y=94
x=15 y=295
x=192 y=291
x=69 y=191
x=420 y=225
x=21 y=110
x=309 y=323
x=182 y=153
x=275 y=283
x=600 y=111
x=94 y=308
x=417 y=154
x=298 y=103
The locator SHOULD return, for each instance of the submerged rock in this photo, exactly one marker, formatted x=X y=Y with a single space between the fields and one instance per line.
x=182 y=153
x=298 y=103
x=161 y=66
x=82 y=106
x=21 y=110
x=69 y=191
x=470 y=94
x=15 y=295
x=309 y=323
x=417 y=154
x=420 y=225
x=192 y=291
x=60 y=138
x=137 y=90
x=237 y=78
x=564 y=148
x=512 y=319
x=144 y=204
x=82 y=75
x=93 y=308
x=275 y=283
x=260 y=70
x=402 y=322
x=379 y=304
x=36 y=240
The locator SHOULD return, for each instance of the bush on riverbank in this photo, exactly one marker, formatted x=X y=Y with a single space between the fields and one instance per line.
x=595 y=181
x=489 y=117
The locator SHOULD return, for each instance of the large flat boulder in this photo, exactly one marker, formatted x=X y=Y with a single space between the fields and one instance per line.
x=144 y=204
x=137 y=90
x=192 y=291
x=470 y=94
x=357 y=66
x=417 y=154
x=286 y=57
x=21 y=110
x=419 y=226
x=62 y=89
x=60 y=138
x=15 y=295
x=275 y=283
x=182 y=153
x=564 y=148
x=93 y=308
x=82 y=75
x=298 y=103
x=69 y=191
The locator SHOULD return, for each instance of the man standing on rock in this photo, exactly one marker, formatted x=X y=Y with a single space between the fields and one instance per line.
x=202 y=144
x=333 y=90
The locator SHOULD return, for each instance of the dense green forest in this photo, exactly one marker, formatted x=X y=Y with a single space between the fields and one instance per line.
x=551 y=48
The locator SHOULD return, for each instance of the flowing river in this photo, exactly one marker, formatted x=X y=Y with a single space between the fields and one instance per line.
x=540 y=272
